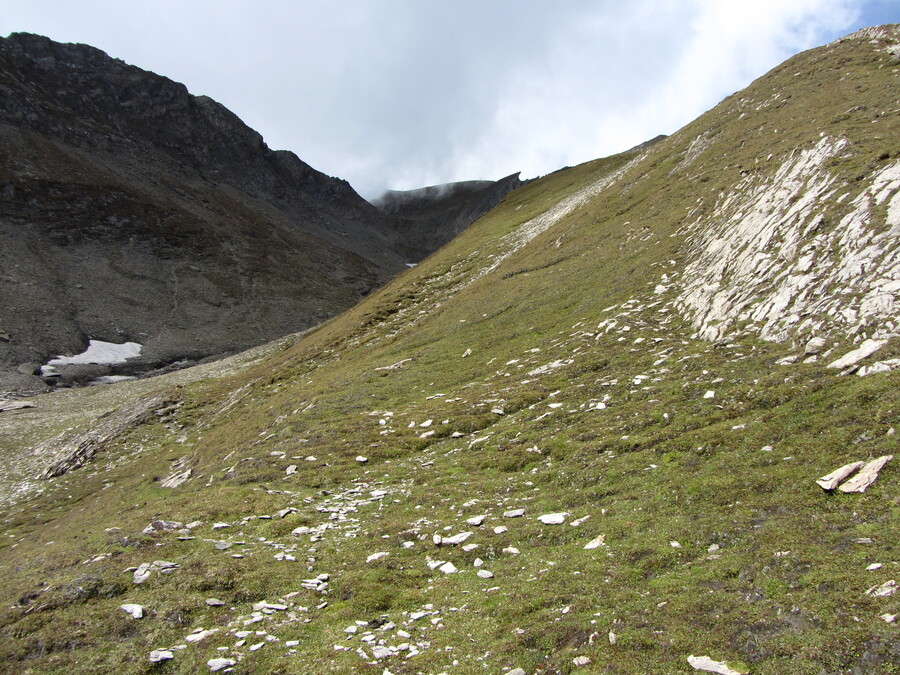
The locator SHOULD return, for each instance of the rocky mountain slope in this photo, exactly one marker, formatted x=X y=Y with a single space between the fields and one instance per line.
x=430 y=217
x=583 y=437
x=132 y=211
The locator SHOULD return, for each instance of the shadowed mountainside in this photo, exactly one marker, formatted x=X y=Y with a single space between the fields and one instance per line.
x=131 y=210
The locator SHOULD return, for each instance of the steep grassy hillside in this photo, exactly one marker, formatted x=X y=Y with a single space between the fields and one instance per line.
x=565 y=443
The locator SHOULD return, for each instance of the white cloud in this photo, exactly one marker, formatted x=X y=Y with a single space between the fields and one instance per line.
x=402 y=93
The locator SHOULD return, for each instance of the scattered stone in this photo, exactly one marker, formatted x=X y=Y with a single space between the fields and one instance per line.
x=448 y=568
x=380 y=652
x=888 y=618
x=515 y=671
x=15 y=405
x=484 y=574
x=200 y=634
x=710 y=666
x=886 y=589
x=581 y=661
x=832 y=480
x=873 y=567
x=867 y=348
x=612 y=638
x=214 y=602
x=595 y=543
x=158 y=655
x=220 y=526
x=361 y=459
x=866 y=476
x=457 y=538
x=376 y=556
x=142 y=573
x=216 y=665
x=512 y=550
x=553 y=518
x=162 y=526
x=709 y=394
x=292 y=469
x=514 y=513
x=500 y=529
x=136 y=611
x=475 y=521
x=815 y=345
x=579 y=521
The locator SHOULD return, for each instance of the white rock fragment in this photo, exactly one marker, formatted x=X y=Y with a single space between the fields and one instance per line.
x=553 y=518
x=867 y=348
x=485 y=574
x=579 y=521
x=886 y=589
x=888 y=618
x=873 y=567
x=511 y=550
x=158 y=655
x=200 y=634
x=833 y=479
x=514 y=513
x=456 y=538
x=707 y=664
x=675 y=544
x=292 y=469
x=709 y=394
x=142 y=573
x=475 y=521
x=515 y=671
x=612 y=638
x=500 y=529
x=597 y=542
x=361 y=459
x=380 y=652
x=814 y=346
x=581 y=661
x=448 y=568
x=136 y=611
x=866 y=476
x=377 y=556
x=216 y=665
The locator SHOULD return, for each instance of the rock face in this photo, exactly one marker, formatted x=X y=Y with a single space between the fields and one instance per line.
x=132 y=211
x=430 y=217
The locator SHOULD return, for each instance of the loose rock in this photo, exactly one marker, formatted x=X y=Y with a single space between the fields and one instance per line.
x=710 y=666
x=866 y=476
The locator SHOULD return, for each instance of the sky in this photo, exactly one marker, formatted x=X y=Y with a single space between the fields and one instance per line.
x=400 y=94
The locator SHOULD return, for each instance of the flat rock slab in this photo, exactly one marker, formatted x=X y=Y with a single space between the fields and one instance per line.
x=707 y=664
x=832 y=480
x=867 y=348
x=866 y=476
x=15 y=405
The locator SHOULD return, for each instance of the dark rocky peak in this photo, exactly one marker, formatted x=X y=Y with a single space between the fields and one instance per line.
x=428 y=218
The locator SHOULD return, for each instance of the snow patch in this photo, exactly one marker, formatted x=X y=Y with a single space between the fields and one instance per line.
x=98 y=352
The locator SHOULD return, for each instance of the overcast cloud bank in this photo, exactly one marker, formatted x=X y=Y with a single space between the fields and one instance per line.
x=401 y=94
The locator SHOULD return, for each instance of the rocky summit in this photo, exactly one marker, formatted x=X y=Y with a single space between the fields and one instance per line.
x=640 y=417
x=133 y=211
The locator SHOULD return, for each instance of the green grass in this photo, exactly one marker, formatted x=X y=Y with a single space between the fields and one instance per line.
x=768 y=572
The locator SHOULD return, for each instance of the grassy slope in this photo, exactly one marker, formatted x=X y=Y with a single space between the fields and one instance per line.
x=784 y=592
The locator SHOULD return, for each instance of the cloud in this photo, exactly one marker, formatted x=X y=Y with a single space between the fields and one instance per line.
x=401 y=94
